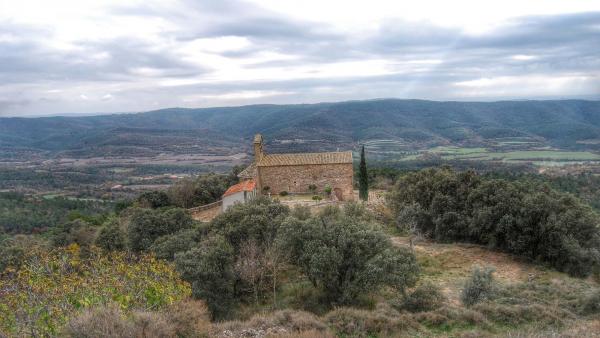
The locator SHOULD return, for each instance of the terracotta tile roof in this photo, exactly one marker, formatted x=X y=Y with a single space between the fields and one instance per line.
x=249 y=172
x=271 y=160
x=248 y=185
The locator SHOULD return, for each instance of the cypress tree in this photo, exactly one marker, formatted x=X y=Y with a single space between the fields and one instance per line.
x=363 y=180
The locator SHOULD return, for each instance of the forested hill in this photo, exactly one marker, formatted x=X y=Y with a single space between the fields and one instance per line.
x=564 y=123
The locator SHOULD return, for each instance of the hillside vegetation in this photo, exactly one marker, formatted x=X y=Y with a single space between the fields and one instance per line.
x=569 y=123
x=451 y=254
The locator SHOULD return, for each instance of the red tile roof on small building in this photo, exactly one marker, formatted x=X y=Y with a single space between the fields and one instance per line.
x=248 y=185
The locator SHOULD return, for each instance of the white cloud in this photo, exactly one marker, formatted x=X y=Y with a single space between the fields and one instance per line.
x=143 y=54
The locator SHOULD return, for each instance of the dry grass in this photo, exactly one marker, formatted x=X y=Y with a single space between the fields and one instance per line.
x=384 y=321
x=449 y=265
x=286 y=323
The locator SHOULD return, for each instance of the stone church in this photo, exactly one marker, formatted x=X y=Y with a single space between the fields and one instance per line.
x=295 y=173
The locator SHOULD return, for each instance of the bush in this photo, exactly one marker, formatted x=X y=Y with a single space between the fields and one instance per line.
x=317 y=198
x=283 y=193
x=104 y=321
x=426 y=297
x=76 y=231
x=518 y=217
x=153 y=199
x=209 y=267
x=109 y=321
x=513 y=315
x=345 y=257
x=110 y=237
x=591 y=303
x=54 y=285
x=364 y=323
x=146 y=225
x=447 y=317
x=189 y=318
x=301 y=212
x=479 y=287
x=277 y=324
x=151 y=325
x=165 y=247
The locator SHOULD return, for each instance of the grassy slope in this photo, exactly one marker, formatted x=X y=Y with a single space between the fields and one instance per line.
x=449 y=265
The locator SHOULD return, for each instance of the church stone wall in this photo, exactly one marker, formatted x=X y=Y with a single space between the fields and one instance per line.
x=297 y=178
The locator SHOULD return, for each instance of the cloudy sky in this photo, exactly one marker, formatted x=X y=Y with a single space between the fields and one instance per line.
x=75 y=57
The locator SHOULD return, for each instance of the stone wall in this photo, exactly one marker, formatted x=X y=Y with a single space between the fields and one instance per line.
x=207 y=212
x=297 y=178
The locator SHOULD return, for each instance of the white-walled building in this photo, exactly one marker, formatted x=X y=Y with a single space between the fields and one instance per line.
x=239 y=193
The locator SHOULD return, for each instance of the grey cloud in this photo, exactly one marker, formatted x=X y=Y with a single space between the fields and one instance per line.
x=561 y=44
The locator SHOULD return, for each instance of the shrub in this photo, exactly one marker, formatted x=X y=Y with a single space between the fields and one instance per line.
x=301 y=212
x=151 y=325
x=479 y=287
x=312 y=188
x=317 y=198
x=327 y=190
x=76 y=231
x=426 y=297
x=54 y=285
x=209 y=267
x=146 y=225
x=346 y=257
x=165 y=247
x=283 y=193
x=518 y=217
x=110 y=237
x=512 y=315
x=189 y=318
x=591 y=303
x=365 y=323
x=103 y=321
x=447 y=317
x=153 y=199
x=285 y=322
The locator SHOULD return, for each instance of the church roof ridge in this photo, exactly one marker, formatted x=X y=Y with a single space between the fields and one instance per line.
x=337 y=157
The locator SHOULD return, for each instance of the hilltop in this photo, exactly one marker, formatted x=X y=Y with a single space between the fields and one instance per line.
x=418 y=123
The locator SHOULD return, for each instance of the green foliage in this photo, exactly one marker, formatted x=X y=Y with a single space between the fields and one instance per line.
x=301 y=212
x=317 y=198
x=153 y=199
x=111 y=237
x=345 y=257
x=283 y=193
x=203 y=190
x=13 y=250
x=146 y=225
x=209 y=267
x=363 y=178
x=51 y=286
x=77 y=231
x=220 y=261
x=327 y=189
x=521 y=218
x=479 y=287
x=167 y=246
x=26 y=214
x=312 y=188
x=426 y=297
x=591 y=303
x=258 y=220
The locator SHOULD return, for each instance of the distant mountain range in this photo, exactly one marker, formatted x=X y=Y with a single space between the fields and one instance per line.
x=559 y=123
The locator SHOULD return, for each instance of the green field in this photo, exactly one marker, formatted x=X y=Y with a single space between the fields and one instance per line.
x=522 y=155
x=458 y=153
